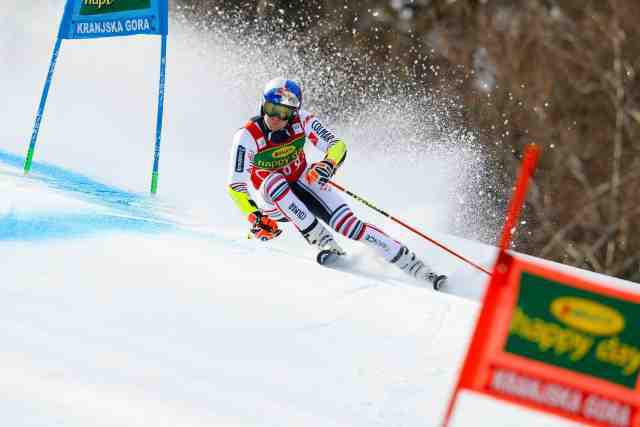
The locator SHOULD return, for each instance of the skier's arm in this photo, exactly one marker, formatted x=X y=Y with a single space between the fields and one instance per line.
x=239 y=172
x=337 y=152
x=262 y=227
x=242 y=200
x=323 y=139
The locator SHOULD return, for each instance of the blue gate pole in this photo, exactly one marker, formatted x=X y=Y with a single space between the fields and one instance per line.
x=43 y=102
x=156 y=151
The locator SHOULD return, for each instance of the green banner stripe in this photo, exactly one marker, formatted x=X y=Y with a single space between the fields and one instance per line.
x=576 y=329
x=100 y=7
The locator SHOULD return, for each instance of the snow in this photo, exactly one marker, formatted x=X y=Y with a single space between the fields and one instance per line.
x=119 y=309
x=139 y=326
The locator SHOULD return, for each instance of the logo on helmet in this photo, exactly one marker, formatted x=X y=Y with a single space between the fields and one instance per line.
x=287 y=97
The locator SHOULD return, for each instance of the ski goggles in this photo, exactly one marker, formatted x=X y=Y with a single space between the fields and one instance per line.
x=278 y=110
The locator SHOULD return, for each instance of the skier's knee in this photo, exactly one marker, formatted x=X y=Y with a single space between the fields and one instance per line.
x=345 y=222
x=274 y=187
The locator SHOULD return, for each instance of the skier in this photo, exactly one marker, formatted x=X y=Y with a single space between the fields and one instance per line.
x=268 y=154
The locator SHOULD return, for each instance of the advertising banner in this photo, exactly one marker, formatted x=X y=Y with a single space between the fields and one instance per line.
x=557 y=343
x=85 y=19
x=576 y=329
x=91 y=19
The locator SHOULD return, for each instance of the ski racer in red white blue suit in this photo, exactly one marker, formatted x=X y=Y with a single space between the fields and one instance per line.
x=268 y=155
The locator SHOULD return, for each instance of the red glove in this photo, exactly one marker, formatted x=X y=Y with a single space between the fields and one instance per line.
x=263 y=227
x=321 y=172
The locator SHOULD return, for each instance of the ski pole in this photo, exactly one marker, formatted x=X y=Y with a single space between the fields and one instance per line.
x=392 y=218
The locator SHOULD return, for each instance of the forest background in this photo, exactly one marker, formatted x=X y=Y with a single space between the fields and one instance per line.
x=560 y=73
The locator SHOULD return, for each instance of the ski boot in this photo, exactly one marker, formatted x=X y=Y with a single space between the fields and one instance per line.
x=320 y=237
x=407 y=261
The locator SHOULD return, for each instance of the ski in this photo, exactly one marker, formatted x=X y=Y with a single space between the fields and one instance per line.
x=328 y=257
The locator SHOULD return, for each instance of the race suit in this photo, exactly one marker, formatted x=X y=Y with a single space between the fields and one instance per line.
x=275 y=165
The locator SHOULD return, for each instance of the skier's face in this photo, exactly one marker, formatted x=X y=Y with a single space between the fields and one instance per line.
x=277 y=116
x=275 y=123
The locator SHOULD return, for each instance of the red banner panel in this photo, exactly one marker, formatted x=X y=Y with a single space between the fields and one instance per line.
x=557 y=343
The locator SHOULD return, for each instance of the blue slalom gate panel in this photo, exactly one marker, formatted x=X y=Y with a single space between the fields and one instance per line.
x=86 y=19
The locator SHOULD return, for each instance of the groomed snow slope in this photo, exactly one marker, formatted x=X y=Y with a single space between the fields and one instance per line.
x=116 y=313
